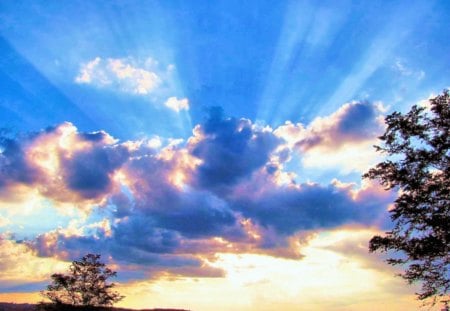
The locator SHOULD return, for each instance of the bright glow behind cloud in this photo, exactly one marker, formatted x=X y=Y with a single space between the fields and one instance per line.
x=330 y=277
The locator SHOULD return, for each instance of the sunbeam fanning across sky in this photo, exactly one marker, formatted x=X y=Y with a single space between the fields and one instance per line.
x=307 y=30
x=210 y=151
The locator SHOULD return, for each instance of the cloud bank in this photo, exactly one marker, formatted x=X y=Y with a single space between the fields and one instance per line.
x=171 y=208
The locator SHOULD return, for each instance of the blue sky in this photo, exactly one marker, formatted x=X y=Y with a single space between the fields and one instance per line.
x=199 y=141
x=273 y=62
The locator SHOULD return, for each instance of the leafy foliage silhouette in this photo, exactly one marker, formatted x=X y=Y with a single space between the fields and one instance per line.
x=418 y=166
x=86 y=284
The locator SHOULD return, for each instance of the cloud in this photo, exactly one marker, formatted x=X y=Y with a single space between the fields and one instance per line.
x=341 y=140
x=292 y=208
x=18 y=262
x=75 y=166
x=177 y=104
x=62 y=163
x=171 y=205
x=132 y=242
x=158 y=184
x=229 y=149
x=401 y=67
x=89 y=172
x=14 y=167
x=123 y=74
x=145 y=78
x=351 y=123
x=353 y=244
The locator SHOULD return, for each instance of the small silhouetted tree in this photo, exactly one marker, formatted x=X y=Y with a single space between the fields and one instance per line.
x=85 y=285
x=418 y=165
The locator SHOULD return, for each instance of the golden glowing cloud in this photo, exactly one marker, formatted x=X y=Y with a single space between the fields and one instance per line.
x=19 y=264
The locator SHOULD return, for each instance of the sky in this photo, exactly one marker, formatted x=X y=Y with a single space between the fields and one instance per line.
x=210 y=151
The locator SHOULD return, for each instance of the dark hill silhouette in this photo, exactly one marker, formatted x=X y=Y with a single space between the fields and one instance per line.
x=5 y=306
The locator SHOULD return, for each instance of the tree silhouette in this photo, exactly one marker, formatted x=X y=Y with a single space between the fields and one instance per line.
x=418 y=166
x=85 y=285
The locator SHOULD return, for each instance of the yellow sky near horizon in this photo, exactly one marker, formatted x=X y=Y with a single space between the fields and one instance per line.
x=337 y=273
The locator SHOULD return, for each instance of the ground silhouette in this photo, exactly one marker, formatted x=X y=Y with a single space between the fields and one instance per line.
x=5 y=306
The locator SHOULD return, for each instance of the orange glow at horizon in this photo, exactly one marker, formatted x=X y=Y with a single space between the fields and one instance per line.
x=332 y=275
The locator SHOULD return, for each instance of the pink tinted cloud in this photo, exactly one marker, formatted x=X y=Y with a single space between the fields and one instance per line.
x=225 y=190
x=353 y=122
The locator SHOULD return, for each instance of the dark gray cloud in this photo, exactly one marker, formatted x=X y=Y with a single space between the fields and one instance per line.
x=89 y=172
x=200 y=215
x=192 y=213
x=139 y=232
x=358 y=120
x=289 y=209
x=230 y=149
x=174 y=201
x=132 y=241
x=14 y=167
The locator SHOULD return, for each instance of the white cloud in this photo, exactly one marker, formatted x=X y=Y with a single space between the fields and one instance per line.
x=125 y=74
x=87 y=72
x=403 y=69
x=136 y=80
x=142 y=77
x=177 y=104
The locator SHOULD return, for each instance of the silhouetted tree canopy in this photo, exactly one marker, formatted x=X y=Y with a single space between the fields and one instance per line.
x=85 y=285
x=418 y=166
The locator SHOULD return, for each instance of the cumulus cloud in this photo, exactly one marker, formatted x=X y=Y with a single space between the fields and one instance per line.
x=89 y=172
x=119 y=73
x=14 y=167
x=292 y=208
x=341 y=140
x=177 y=104
x=62 y=164
x=353 y=122
x=229 y=149
x=133 y=241
x=145 y=78
x=173 y=205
